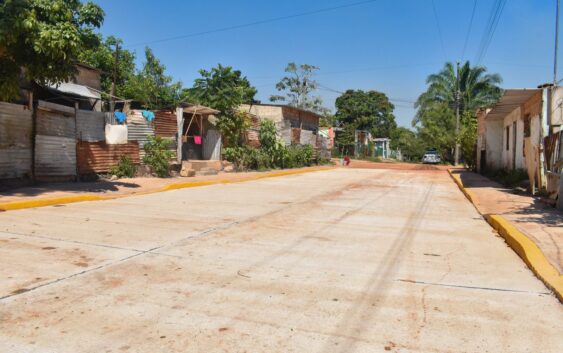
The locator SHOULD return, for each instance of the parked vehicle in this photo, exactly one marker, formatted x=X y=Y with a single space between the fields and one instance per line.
x=431 y=157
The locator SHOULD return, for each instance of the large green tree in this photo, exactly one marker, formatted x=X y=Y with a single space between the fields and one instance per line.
x=435 y=116
x=44 y=38
x=224 y=89
x=366 y=110
x=151 y=86
x=408 y=143
x=298 y=87
x=104 y=57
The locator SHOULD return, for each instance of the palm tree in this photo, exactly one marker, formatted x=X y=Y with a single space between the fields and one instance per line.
x=477 y=88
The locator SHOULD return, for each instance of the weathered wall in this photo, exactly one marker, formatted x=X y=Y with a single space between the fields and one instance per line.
x=88 y=77
x=494 y=143
x=518 y=134
x=55 y=141
x=15 y=141
x=100 y=157
x=165 y=124
x=90 y=126
x=139 y=129
x=557 y=106
x=265 y=112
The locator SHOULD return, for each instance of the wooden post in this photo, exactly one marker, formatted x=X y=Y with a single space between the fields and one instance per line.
x=33 y=109
x=180 y=122
x=76 y=137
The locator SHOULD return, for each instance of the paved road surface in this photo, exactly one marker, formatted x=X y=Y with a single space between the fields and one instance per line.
x=336 y=261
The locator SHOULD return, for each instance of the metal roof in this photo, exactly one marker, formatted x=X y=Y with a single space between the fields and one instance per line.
x=74 y=89
x=199 y=109
x=512 y=99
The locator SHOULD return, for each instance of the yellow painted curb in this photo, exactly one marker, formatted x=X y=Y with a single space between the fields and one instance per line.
x=18 y=205
x=457 y=180
x=530 y=253
x=522 y=245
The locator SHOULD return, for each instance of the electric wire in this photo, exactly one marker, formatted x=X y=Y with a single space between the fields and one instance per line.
x=469 y=29
x=256 y=23
x=439 y=30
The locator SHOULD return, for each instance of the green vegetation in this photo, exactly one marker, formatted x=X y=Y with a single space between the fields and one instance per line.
x=44 y=38
x=363 y=110
x=298 y=87
x=158 y=155
x=224 y=89
x=508 y=178
x=435 y=117
x=124 y=169
x=151 y=86
x=272 y=153
x=103 y=57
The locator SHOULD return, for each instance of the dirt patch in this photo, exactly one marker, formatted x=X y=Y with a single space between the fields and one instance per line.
x=358 y=164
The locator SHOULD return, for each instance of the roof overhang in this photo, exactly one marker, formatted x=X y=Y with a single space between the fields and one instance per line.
x=199 y=109
x=75 y=90
x=512 y=99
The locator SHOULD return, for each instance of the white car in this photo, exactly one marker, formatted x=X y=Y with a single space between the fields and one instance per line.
x=431 y=157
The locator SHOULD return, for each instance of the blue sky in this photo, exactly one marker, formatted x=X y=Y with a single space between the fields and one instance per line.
x=387 y=45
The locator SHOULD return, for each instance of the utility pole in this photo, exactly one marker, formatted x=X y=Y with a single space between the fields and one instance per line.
x=457 y=98
x=114 y=78
x=556 y=44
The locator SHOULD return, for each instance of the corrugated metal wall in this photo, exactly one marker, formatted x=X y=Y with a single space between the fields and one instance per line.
x=165 y=124
x=139 y=129
x=55 y=142
x=212 y=145
x=55 y=156
x=90 y=126
x=100 y=157
x=15 y=141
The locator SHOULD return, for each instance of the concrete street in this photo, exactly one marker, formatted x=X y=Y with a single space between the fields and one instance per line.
x=346 y=260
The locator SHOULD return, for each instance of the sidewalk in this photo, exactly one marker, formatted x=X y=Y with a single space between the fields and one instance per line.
x=538 y=221
x=61 y=193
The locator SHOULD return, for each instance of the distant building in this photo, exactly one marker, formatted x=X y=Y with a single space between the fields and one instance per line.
x=294 y=125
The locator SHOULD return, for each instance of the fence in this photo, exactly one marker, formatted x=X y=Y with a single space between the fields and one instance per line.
x=68 y=142
x=15 y=141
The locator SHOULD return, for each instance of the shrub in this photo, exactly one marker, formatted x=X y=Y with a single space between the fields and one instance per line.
x=508 y=178
x=272 y=153
x=124 y=168
x=242 y=157
x=157 y=155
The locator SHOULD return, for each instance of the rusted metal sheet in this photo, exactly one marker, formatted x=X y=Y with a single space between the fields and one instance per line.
x=295 y=136
x=165 y=124
x=55 y=120
x=55 y=156
x=139 y=129
x=15 y=141
x=55 y=141
x=100 y=157
x=252 y=137
x=90 y=125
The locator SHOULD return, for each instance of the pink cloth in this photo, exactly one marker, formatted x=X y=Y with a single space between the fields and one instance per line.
x=197 y=140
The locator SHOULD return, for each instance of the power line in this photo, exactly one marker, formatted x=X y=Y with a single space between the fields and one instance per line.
x=439 y=30
x=488 y=34
x=399 y=100
x=469 y=29
x=255 y=23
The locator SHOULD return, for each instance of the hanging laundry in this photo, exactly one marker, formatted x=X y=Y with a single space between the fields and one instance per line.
x=120 y=117
x=147 y=114
x=197 y=140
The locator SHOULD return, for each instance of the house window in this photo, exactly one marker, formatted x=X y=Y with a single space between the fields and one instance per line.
x=507 y=137
x=527 y=123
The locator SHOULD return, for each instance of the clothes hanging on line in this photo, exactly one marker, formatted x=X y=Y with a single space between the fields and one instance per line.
x=120 y=117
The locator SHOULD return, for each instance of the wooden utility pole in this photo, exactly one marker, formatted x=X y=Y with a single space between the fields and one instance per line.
x=114 y=78
x=457 y=98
